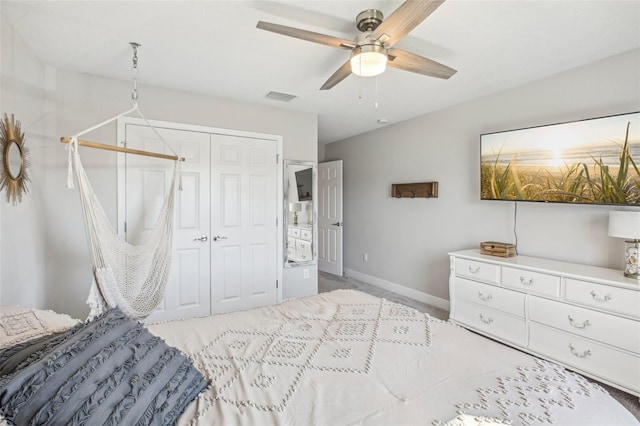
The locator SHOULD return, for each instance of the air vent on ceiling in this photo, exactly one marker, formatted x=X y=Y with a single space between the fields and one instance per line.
x=279 y=96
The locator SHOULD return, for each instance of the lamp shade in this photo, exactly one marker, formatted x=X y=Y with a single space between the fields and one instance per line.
x=368 y=60
x=624 y=224
x=295 y=207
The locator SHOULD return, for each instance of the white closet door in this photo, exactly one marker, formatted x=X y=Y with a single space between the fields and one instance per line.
x=244 y=231
x=147 y=183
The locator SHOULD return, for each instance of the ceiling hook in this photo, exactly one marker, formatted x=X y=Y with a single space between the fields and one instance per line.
x=135 y=46
x=134 y=93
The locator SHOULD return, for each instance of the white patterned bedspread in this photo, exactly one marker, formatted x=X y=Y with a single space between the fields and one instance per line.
x=345 y=357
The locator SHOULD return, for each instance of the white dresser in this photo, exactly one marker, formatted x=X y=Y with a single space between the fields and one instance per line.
x=299 y=243
x=585 y=318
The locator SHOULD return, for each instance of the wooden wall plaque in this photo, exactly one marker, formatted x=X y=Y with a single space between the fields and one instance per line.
x=415 y=190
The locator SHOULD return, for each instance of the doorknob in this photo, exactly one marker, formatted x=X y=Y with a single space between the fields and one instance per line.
x=218 y=238
x=203 y=239
x=337 y=224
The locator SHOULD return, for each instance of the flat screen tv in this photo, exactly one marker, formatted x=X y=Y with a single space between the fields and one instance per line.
x=304 y=183
x=592 y=161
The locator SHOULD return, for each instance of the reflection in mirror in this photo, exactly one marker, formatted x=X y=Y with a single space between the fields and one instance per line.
x=300 y=213
x=304 y=184
x=14 y=160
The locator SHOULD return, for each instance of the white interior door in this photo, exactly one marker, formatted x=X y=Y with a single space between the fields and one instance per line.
x=244 y=254
x=330 y=226
x=147 y=181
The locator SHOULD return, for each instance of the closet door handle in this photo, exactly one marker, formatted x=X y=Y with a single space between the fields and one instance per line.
x=218 y=238
x=337 y=224
x=203 y=239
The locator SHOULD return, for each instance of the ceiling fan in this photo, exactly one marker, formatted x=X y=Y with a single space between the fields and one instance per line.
x=372 y=50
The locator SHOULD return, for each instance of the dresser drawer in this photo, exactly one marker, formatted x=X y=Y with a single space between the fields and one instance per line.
x=306 y=234
x=511 y=302
x=486 y=272
x=531 y=282
x=614 y=299
x=602 y=361
x=492 y=322
x=294 y=232
x=613 y=330
x=303 y=256
x=304 y=246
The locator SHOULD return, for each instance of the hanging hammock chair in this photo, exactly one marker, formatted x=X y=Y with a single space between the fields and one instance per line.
x=132 y=277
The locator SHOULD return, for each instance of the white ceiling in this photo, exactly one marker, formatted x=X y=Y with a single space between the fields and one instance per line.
x=213 y=47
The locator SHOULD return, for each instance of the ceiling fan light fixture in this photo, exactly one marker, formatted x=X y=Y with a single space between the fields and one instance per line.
x=368 y=60
x=371 y=48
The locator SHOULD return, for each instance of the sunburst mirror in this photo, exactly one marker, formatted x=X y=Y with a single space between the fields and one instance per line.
x=13 y=173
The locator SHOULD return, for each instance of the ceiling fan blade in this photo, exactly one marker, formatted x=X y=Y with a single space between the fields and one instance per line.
x=306 y=35
x=343 y=72
x=404 y=19
x=408 y=61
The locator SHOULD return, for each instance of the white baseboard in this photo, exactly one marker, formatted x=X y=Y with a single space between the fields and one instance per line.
x=399 y=289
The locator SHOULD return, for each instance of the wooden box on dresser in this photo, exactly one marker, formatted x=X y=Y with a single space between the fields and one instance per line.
x=583 y=317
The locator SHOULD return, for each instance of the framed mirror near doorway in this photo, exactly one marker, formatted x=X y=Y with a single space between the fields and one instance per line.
x=300 y=213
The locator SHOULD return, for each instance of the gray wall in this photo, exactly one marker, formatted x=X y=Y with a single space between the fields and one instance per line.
x=407 y=240
x=24 y=91
x=44 y=259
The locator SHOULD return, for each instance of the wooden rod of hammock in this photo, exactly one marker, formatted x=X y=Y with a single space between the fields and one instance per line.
x=107 y=147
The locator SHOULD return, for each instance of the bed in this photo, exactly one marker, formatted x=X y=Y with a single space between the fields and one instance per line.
x=345 y=358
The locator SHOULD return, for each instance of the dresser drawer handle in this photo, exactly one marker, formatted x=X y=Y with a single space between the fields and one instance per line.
x=585 y=324
x=579 y=355
x=486 y=320
x=484 y=298
x=604 y=299
x=524 y=281
x=474 y=270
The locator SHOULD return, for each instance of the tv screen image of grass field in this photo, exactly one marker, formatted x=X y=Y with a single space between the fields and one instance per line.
x=594 y=161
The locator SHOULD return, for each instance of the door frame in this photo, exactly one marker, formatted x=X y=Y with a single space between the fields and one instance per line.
x=121 y=175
